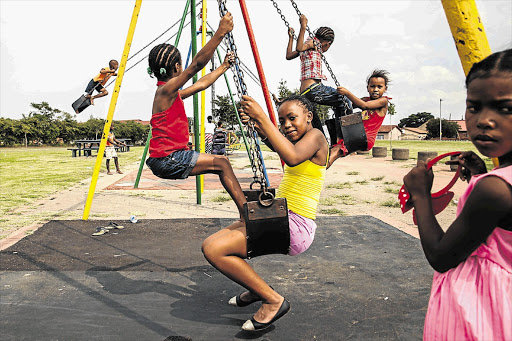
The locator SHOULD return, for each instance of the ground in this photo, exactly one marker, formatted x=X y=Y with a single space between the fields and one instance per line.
x=355 y=185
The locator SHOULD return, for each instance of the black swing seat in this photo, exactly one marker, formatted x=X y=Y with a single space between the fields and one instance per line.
x=350 y=128
x=80 y=104
x=267 y=227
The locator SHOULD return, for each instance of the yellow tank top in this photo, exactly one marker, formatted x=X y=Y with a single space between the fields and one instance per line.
x=101 y=76
x=301 y=186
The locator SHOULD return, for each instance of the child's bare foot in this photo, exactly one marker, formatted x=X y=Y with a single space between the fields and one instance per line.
x=119 y=172
x=109 y=173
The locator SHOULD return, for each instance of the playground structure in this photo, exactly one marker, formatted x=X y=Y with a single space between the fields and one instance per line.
x=462 y=15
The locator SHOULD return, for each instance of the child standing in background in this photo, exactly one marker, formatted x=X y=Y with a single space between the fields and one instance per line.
x=305 y=151
x=471 y=296
x=169 y=154
x=209 y=130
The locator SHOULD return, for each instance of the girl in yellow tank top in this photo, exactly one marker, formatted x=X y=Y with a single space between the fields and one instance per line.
x=305 y=152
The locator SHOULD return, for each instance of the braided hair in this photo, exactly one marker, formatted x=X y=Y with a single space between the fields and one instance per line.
x=496 y=63
x=306 y=104
x=162 y=59
x=325 y=33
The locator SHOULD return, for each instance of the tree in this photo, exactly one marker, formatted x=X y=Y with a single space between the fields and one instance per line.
x=321 y=110
x=91 y=129
x=225 y=112
x=416 y=120
x=450 y=129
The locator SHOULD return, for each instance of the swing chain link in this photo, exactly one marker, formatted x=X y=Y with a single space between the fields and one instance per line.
x=241 y=88
x=318 y=46
x=287 y=24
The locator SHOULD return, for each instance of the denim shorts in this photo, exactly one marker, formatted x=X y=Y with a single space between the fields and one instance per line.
x=326 y=95
x=93 y=86
x=176 y=165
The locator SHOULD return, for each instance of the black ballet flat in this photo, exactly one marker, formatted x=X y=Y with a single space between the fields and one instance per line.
x=253 y=325
x=238 y=302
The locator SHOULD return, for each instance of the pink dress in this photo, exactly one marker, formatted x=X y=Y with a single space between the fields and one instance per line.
x=473 y=301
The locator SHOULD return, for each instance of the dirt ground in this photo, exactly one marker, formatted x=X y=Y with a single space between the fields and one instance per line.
x=355 y=185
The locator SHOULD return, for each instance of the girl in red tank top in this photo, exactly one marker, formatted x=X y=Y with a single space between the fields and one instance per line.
x=170 y=156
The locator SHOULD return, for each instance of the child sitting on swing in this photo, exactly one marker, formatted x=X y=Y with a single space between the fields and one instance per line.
x=305 y=152
x=169 y=153
x=375 y=108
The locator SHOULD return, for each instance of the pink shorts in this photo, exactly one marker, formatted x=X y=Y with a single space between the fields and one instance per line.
x=302 y=233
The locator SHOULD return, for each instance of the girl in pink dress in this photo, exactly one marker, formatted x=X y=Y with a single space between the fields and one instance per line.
x=471 y=296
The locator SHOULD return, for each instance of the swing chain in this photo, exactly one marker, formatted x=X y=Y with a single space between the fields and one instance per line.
x=318 y=46
x=287 y=24
x=241 y=88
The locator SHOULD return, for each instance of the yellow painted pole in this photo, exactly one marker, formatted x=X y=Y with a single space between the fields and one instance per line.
x=468 y=34
x=203 y=93
x=110 y=115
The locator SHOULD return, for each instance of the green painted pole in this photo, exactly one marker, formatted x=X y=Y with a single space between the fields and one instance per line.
x=196 y=98
x=146 y=148
x=236 y=111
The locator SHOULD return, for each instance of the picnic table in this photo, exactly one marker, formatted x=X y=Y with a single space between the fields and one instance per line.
x=87 y=146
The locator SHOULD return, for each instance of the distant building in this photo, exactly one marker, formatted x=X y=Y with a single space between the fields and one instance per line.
x=389 y=132
x=463 y=131
x=413 y=133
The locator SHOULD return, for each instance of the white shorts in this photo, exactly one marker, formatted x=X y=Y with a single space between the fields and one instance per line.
x=110 y=152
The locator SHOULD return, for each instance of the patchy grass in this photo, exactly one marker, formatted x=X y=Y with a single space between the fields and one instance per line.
x=352 y=173
x=390 y=203
x=333 y=211
x=271 y=157
x=377 y=178
x=362 y=182
x=340 y=185
x=394 y=183
x=391 y=190
x=344 y=199
x=220 y=198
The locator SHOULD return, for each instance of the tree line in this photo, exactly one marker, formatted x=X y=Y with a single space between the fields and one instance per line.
x=45 y=125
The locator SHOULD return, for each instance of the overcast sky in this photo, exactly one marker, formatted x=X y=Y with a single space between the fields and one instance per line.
x=51 y=49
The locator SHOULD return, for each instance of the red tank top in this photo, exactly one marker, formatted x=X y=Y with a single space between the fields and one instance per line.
x=372 y=122
x=169 y=130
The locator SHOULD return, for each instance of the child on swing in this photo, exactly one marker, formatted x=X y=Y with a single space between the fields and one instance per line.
x=305 y=151
x=169 y=154
x=311 y=75
x=471 y=296
x=375 y=108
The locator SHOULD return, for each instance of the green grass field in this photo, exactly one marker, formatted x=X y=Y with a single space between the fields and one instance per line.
x=28 y=174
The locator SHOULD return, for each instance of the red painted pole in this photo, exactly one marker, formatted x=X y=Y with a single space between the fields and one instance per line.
x=257 y=60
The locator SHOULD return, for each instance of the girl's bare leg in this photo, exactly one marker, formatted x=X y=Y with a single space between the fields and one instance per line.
x=207 y=163
x=226 y=251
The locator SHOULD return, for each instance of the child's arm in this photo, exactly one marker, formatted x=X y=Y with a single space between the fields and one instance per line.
x=379 y=103
x=291 y=154
x=301 y=47
x=209 y=79
x=489 y=205
x=290 y=52
x=202 y=57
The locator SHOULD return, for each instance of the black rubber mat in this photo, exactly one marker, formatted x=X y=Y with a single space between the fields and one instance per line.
x=361 y=280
